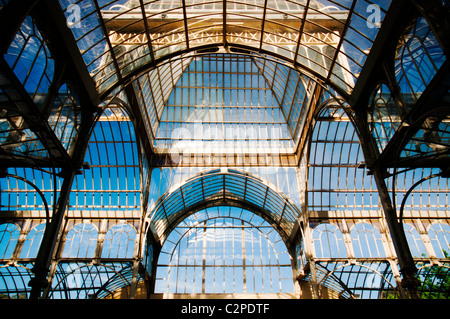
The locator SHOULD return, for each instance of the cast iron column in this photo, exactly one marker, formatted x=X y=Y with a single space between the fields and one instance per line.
x=49 y=240
x=405 y=259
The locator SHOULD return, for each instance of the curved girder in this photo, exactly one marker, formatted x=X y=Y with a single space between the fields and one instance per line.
x=224 y=187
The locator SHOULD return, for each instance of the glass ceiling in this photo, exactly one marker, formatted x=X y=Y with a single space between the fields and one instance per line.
x=219 y=77
x=184 y=58
x=116 y=38
x=256 y=104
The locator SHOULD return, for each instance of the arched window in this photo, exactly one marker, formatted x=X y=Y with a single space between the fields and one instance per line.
x=33 y=241
x=224 y=250
x=9 y=235
x=418 y=59
x=119 y=242
x=415 y=242
x=81 y=241
x=29 y=58
x=328 y=241
x=366 y=240
x=439 y=234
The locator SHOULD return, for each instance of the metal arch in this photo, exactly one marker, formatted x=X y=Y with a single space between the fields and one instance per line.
x=112 y=279
x=405 y=197
x=90 y=265
x=16 y=265
x=185 y=231
x=238 y=218
x=338 y=280
x=434 y=264
x=222 y=171
x=264 y=212
x=351 y=263
x=228 y=202
x=114 y=100
x=437 y=17
x=206 y=50
x=44 y=201
x=427 y=268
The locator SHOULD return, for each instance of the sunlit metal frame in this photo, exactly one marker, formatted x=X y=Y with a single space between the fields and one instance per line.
x=198 y=227
x=385 y=167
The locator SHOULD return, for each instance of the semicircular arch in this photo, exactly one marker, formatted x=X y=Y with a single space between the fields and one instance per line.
x=224 y=187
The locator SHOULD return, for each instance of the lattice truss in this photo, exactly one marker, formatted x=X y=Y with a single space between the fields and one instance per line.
x=287 y=149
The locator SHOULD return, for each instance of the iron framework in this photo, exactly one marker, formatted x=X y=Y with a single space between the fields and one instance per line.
x=135 y=130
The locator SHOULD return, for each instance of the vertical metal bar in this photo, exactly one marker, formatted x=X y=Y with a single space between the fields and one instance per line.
x=300 y=32
x=341 y=40
x=244 y=276
x=204 y=258
x=224 y=22
x=186 y=33
x=263 y=24
x=177 y=267
x=214 y=230
x=47 y=248
x=261 y=259
x=224 y=244
x=398 y=236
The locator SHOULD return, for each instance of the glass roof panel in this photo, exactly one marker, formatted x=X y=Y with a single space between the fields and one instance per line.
x=29 y=58
x=65 y=119
x=17 y=140
x=221 y=99
x=112 y=182
x=115 y=39
x=335 y=182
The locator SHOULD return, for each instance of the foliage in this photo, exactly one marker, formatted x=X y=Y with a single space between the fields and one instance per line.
x=436 y=282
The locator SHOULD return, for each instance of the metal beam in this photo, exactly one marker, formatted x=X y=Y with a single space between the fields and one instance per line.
x=384 y=44
x=405 y=259
x=21 y=102
x=139 y=124
x=11 y=18
x=438 y=18
x=55 y=28
x=226 y=201
x=398 y=237
x=50 y=239
x=432 y=102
